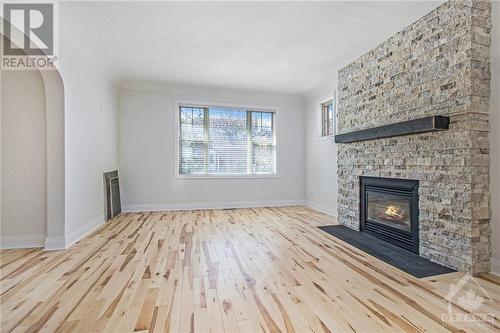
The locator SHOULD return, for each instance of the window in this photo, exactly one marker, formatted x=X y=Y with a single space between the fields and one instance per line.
x=327 y=118
x=226 y=141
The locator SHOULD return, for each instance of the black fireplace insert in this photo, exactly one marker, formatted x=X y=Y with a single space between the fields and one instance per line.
x=389 y=210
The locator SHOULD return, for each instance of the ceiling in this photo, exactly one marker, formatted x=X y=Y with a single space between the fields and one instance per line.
x=292 y=47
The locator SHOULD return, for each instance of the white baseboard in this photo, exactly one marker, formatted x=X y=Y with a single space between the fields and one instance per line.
x=62 y=243
x=21 y=241
x=495 y=266
x=209 y=205
x=53 y=243
x=75 y=235
x=321 y=208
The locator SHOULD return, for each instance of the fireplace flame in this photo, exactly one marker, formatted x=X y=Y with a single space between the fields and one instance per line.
x=393 y=211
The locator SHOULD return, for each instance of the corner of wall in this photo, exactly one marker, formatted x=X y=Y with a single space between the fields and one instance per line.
x=76 y=235
x=320 y=162
x=495 y=266
x=321 y=208
x=53 y=243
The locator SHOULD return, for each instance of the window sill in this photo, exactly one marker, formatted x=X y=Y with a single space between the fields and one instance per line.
x=326 y=137
x=192 y=177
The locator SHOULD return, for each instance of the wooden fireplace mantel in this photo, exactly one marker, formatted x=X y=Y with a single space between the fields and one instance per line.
x=416 y=126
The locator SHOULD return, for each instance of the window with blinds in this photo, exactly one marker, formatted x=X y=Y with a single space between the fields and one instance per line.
x=226 y=141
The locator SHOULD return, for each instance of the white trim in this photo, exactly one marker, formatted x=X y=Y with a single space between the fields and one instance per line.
x=21 y=241
x=251 y=176
x=335 y=112
x=326 y=99
x=321 y=208
x=322 y=114
x=84 y=230
x=55 y=243
x=201 y=103
x=209 y=205
x=495 y=266
x=204 y=103
x=330 y=137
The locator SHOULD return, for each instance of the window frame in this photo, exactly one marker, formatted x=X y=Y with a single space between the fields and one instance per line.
x=323 y=118
x=203 y=104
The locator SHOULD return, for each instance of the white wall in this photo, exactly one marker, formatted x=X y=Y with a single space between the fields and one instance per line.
x=147 y=151
x=320 y=157
x=23 y=159
x=90 y=134
x=495 y=137
x=54 y=105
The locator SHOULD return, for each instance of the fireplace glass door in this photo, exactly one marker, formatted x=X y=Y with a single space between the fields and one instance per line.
x=389 y=209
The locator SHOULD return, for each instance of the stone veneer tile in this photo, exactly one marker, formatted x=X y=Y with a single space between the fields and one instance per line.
x=437 y=66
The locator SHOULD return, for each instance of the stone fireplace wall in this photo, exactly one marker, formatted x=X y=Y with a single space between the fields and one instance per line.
x=437 y=66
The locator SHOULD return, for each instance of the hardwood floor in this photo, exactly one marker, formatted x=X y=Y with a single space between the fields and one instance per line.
x=243 y=270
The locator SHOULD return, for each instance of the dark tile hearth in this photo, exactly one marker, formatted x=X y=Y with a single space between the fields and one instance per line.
x=406 y=261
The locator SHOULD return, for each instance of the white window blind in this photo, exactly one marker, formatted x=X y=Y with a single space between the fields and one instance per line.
x=226 y=141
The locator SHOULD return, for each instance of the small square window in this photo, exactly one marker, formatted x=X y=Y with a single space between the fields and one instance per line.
x=327 y=118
